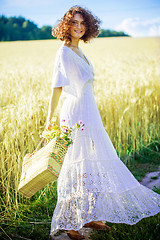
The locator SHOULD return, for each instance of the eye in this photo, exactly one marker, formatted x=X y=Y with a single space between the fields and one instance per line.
x=73 y=23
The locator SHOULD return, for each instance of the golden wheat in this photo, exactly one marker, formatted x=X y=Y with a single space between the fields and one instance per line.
x=127 y=92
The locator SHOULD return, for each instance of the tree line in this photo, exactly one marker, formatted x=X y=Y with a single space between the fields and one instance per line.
x=18 y=28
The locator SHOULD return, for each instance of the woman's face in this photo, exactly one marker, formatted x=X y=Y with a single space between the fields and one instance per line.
x=77 y=29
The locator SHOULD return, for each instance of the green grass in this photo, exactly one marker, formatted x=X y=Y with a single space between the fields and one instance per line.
x=146 y=229
x=146 y=160
x=153 y=178
x=32 y=219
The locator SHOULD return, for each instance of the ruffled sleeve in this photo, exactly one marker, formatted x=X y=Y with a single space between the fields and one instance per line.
x=60 y=78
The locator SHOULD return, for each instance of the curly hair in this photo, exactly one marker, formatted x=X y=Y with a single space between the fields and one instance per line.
x=92 y=23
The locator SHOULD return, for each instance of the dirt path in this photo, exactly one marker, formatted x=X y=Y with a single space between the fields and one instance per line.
x=152 y=179
x=84 y=231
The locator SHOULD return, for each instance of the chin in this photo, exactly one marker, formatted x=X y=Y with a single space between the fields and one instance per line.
x=78 y=36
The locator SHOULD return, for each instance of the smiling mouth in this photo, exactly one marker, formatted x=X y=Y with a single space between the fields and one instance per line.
x=78 y=31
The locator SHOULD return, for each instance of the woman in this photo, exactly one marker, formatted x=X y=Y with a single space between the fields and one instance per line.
x=94 y=185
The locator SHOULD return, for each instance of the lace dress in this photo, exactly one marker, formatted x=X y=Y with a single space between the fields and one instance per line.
x=94 y=184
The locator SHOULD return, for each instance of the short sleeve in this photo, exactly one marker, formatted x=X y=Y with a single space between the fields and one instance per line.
x=60 y=78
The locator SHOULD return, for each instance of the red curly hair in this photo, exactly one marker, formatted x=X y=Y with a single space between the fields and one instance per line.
x=62 y=30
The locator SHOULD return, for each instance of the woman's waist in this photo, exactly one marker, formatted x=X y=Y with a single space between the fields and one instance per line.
x=76 y=106
x=86 y=92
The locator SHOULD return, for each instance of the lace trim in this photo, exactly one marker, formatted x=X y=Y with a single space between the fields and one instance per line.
x=128 y=207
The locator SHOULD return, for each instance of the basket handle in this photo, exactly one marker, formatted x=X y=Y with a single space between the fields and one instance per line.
x=39 y=144
x=30 y=154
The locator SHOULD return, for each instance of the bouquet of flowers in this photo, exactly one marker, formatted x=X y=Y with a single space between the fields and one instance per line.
x=62 y=131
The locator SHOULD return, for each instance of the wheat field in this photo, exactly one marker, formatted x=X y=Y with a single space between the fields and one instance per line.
x=126 y=88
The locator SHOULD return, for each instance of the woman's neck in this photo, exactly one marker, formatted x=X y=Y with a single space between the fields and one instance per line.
x=74 y=43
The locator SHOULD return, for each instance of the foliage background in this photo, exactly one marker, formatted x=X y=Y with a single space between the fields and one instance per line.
x=19 y=28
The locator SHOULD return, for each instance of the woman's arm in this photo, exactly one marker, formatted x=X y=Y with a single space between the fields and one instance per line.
x=55 y=95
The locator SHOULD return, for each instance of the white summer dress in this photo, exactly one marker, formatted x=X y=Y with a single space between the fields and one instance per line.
x=94 y=184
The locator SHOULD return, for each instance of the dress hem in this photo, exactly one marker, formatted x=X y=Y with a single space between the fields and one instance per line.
x=52 y=233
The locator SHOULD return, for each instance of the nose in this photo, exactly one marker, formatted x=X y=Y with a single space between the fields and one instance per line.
x=79 y=25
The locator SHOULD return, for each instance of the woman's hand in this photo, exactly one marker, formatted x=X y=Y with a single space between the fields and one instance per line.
x=48 y=126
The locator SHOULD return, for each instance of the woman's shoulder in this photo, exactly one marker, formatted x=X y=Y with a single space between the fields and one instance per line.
x=63 y=52
x=63 y=49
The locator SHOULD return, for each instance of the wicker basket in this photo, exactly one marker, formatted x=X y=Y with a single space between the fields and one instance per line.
x=42 y=167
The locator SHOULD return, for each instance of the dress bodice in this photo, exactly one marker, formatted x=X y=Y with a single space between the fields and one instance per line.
x=71 y=71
